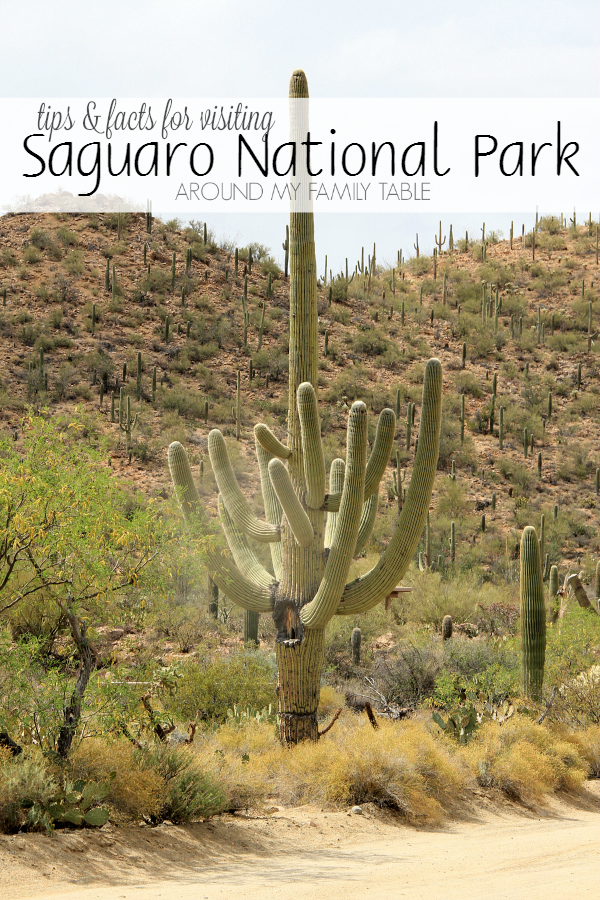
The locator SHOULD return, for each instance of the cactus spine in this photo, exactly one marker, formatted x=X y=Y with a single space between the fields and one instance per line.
x=533 y=616
x=307 y=586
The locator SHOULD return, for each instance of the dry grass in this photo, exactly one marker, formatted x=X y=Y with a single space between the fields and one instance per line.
x=136 y=790
x=525 y=760
x=587 y=744
x=402 y=767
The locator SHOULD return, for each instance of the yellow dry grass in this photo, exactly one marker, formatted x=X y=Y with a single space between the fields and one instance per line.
x=525 y=760
x=136 y=790
x=399 y=766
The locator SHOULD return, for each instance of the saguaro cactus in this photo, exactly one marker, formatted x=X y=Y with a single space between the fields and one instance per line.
x=313 y=535
x=533 y=616
x=356 y=642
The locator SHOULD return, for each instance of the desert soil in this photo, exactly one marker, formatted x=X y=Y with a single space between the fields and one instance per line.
x=494 y=851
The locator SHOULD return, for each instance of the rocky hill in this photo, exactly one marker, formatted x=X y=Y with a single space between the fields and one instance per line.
x=84 y=297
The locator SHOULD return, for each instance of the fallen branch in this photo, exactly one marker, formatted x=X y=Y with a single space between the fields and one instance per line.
x=580 y=593
x=331 y=724
x=548 y=706
x=371 y=715
x=160 y=732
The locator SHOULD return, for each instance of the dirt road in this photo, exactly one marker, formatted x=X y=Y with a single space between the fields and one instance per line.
x=497 y=853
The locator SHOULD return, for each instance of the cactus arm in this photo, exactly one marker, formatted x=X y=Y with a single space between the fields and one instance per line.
x=319 y=611
x=237 y=505
x=273 y=509
x=267 y=440
x=378 y=460
x=367 y=591
x=298 y=520
x=258 y=598
x=312 y=447
x=380 y=455
x=241 y=551
x=239 y=589
x=336 y=483
x=183 y=482
x=367 y=521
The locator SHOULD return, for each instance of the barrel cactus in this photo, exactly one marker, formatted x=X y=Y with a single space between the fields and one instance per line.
x=446 y=628
x=533 y=616
x=313 y=533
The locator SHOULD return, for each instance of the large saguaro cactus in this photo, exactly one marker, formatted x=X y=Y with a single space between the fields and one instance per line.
x=313 y=534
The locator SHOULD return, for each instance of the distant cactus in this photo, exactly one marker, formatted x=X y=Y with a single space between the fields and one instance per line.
x=439 y=242
x=446 y=628
x=286 y=249
x=356 y=642
x=553 y=599
x=126 y=423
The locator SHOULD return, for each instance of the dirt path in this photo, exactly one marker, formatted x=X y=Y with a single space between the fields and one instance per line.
x=497 y=853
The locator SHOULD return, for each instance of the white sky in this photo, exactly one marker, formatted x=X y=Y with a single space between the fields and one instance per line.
x=393 y=48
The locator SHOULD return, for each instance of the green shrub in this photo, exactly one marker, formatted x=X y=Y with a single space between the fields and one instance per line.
x=25 y=778
x=66 y=237
x=209 y=686
x=74 y=262
x=188 y=793
x=31 y=255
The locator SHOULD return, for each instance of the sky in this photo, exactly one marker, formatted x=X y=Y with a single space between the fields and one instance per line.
x=224 y=48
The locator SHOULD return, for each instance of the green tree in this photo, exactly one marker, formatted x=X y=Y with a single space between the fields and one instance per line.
x=71 y=537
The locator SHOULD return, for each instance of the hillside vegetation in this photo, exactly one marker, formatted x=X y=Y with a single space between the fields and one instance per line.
x=98 y=309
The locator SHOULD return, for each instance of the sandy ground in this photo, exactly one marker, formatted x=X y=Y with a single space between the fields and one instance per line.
x=495 y=851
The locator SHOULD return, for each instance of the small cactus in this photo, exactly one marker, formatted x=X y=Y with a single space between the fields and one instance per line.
x=446 y=628
x=356 y=642
x=553 y=599
x=286 y=249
